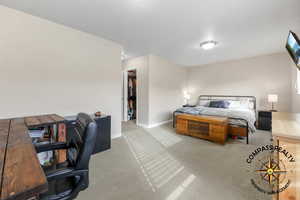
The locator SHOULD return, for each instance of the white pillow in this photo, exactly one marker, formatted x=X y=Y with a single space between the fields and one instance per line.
x=243 y=104
x=234 y=104
x=247 y=104
x=204 y=103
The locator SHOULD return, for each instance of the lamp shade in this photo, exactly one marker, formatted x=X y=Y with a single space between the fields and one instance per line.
x=187 y=96
x=272 y=98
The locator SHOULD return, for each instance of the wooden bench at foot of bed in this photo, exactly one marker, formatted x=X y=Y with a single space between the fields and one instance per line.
x=206 y=127
x=211 y=128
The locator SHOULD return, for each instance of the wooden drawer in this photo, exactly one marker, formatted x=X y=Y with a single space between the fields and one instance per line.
x=182 y=126
x=198 y=128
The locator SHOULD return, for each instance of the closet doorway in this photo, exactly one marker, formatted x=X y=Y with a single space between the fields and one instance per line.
x=131 y=96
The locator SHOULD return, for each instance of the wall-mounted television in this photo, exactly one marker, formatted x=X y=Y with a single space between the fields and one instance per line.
x=293 y=47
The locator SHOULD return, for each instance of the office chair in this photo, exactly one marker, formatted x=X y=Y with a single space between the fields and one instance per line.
x=65 y=182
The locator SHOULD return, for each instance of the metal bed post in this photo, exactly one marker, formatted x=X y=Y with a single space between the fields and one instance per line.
x=247 y=133
x=174 y=119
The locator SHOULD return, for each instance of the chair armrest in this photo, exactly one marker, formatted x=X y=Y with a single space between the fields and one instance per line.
x=64 y=173
x=52 y=146
x=81 y=178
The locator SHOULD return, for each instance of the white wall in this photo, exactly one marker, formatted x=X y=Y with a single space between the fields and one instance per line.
x=295 y=98
x=50 y=68
x=257 y=76
x=167 y=81
x=160 y=86
x=141 y=66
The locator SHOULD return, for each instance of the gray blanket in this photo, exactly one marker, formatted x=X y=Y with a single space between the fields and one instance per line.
x=234 y=115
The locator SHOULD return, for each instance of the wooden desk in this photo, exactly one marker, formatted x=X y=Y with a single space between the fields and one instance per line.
x=21 y=176
x=286 y=133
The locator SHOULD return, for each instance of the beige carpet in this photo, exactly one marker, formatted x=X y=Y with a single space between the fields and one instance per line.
x=159 y=164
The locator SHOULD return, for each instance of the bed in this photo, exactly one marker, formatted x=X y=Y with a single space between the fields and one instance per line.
x=241 y=113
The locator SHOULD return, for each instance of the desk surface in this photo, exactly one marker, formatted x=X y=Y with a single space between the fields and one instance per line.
x=21 y=175
x=286 y=125
x=43 y=120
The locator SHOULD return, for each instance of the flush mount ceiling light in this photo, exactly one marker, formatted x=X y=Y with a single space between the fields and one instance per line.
x=208 y=44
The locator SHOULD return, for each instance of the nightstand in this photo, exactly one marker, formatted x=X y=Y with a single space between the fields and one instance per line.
x=264 y=120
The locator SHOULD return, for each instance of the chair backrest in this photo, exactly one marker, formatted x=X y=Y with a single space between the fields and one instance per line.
x=86 y=130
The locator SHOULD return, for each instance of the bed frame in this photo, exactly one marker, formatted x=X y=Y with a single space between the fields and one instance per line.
x=232 y=129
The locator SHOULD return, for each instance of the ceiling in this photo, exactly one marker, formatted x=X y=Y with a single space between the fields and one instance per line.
x=174 y=29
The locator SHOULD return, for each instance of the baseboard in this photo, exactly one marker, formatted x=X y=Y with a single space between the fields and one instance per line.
x=142 y=125
x=154 y=125
x=116 y=136
x=159 y=124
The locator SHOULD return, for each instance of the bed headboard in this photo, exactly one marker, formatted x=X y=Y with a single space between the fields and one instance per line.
x=231 y=98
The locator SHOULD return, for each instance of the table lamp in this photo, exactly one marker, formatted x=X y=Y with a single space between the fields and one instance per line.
x=273 y=98
x=187 y=97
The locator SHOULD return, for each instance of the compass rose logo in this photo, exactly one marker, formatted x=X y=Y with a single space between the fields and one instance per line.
x=270 y=171
x=267 y=166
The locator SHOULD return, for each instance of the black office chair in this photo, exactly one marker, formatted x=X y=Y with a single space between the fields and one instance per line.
x=65 y=182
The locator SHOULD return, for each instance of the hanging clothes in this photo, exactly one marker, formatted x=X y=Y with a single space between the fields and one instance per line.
x=131 y=95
